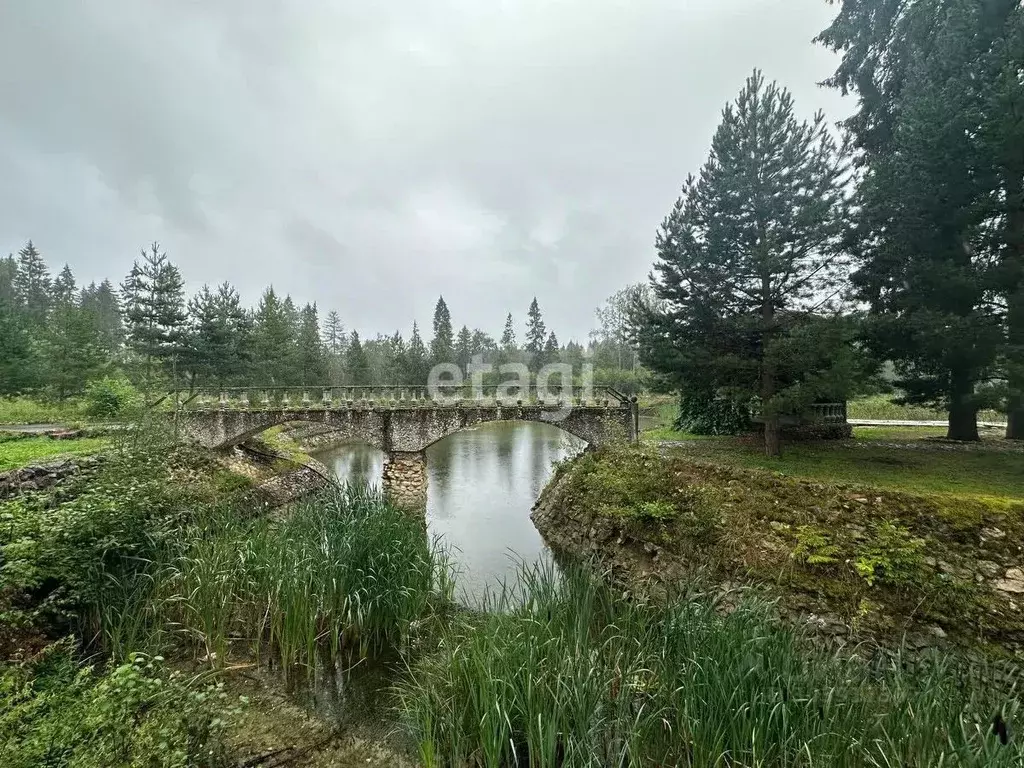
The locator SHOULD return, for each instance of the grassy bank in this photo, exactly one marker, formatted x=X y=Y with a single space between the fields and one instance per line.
x=31 y=450
x=568 y=673
x=23 y=410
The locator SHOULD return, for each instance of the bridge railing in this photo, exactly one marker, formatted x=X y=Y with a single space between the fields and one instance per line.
x=393 y=396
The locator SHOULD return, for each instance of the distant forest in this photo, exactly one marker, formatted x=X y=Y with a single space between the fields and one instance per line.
x=57 y=337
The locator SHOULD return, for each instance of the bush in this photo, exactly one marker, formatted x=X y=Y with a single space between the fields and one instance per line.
x=54 y=714
x=109 y=397
x=710 y=414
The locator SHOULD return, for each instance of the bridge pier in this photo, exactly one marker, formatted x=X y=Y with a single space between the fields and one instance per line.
x=405 y=479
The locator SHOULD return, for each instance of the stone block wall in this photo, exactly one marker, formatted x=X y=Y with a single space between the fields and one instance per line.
x=405 y=480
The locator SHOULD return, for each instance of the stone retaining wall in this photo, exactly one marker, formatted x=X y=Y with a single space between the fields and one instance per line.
x=42 y=476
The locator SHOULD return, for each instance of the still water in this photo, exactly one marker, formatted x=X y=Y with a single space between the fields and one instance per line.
x=481 y=486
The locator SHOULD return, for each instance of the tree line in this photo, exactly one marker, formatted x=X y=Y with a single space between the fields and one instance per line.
x=801 y=259
x=56 y=337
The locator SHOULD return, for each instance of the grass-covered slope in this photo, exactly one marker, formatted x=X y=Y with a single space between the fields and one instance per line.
x=859 y=558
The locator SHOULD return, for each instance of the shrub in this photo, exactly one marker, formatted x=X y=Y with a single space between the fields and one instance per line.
x=54 y=714
x=109 y=397
x=711 y=414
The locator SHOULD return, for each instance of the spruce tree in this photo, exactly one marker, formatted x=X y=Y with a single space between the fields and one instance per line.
x=32 y=286
x=925 y=71
x=18 y=361
x=744 y=260
x=463 y=348
x=334 y=333
x=357 y=366
x=551 y=349
x=311 y=355
x=508 y=336
x=273 y=340
x=154 y=313
x=536 y=335
x=216 y=337
x=417 y=367
x=8 y=279
x=102 y=304
x=441 y=346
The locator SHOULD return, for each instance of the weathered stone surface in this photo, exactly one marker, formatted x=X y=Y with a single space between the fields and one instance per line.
x=407 y=430
x=41 y=476
x=1012 y=581
x=405 y=479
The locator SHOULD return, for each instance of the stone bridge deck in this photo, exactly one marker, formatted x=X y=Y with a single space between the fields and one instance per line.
x=399 y=422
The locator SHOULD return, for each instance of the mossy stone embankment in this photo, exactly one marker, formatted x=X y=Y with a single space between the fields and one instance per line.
x=858 y=562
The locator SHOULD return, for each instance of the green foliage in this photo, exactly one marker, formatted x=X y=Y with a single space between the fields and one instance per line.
x=744 y=258
x=565 y=672
x=815 y=547
x=708 y=414
x=54 y=714
x=890 y=556
x=109 y=397
x=636 y=484
x=25 y=410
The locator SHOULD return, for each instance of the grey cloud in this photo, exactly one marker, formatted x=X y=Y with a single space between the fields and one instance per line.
x=369 y=156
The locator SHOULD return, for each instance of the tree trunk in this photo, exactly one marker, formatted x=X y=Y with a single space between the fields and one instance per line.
x=1015 y=420
x=772 y=437
x=963 y=419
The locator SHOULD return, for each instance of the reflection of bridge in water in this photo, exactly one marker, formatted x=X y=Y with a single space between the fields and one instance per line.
x=401 y=421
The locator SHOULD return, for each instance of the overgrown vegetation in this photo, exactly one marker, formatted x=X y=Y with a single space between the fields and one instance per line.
x=565 y=672
x=55 y=713
x=887 y=560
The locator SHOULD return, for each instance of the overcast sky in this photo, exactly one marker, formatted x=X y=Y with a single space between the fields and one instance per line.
x=371 y=155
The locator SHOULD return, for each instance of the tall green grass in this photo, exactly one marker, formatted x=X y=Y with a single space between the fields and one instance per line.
x=568 y=673
x=342 y=572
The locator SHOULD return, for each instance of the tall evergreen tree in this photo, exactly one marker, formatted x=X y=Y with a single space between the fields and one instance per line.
x=551 y=349
x=32 y=285
x=744 y=260
x=441 y=346
x=357 y=366
x=103 y=305
x=311 y=354
x=536 y=335
x=274 y=340
x=508 y=336
x=463 y=348
x=334 y=333
x=417 y=366
x=154 y=309
x=218 y=327
x=18 y=362
x=927 y=263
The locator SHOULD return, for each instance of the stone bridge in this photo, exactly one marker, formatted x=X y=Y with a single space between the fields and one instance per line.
x=401 y=422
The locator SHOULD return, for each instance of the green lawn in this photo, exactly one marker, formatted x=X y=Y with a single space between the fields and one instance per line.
x=995 y=475
x=22 y=410
x=18 y=453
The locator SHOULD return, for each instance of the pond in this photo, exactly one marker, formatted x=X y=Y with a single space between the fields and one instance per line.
x=481 y=485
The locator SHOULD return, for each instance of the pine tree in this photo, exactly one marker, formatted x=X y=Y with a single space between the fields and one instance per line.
x=482 y=344
x=103 y=305
x=508 y=336
x=154 y=309
x=8 y=279
x=18 y=362
x=216 y=340
x=334 y=333
x=926 y=258
x=312 y=359
x=441 y=346
x=274 y=340
x=32 y=285
x=357 y=366
x=463 y=348
x=64 y=291
x=536 y=335
x=744 y=259
x=551 y=349
x=417 y=367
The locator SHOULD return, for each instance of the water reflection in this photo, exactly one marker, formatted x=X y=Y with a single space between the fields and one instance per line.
x=481 y=486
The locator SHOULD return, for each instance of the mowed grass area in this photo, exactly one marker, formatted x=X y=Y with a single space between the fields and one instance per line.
x=993 y=475
x=33 y=450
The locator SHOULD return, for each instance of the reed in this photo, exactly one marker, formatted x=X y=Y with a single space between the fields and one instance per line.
x=568 y=673
x=343 y=572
